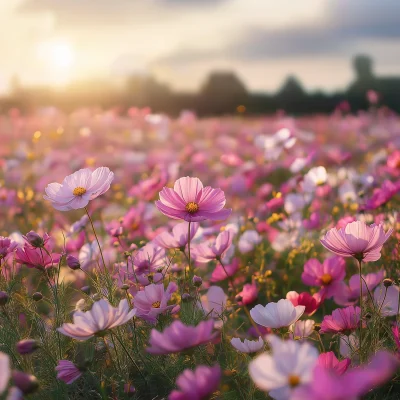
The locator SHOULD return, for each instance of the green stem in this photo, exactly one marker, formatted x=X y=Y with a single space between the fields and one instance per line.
x=97 y=239
x=361 y=309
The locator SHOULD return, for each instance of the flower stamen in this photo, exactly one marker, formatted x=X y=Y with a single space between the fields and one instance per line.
x=294 y=380
x=192 y=207
x=79 y=191
x=156 y=304
x=326 y=279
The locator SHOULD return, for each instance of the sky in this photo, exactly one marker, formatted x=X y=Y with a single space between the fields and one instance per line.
x=53 y=42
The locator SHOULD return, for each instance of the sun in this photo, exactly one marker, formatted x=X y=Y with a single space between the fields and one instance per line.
x=59 y=54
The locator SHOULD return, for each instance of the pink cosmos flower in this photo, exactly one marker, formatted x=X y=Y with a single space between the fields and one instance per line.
x=219 y=274
x=73 y=245
x=149 y=258
x=393 y=161
x=354 y=383
x=342 y=320
x=153 y=301
x=67 y=371
x=102 y=317
x=190 y=201
x=34 y=257
x=311 y=303
x=79 y=188
x=382 y=195
x=198 y=384
x=7 y=246
x=248 y=294
x=396 y=337
x=178 y=337
x=357 y=240
x=206 y=252
x=178 y=239
x=329 y=361
x=329 y=275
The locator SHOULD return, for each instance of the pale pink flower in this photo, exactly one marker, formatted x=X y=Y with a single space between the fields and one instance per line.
x=247 y=346
x=206 y=252
x=79 y=188
x=102 y=317
x=178 y=239
x=357 y=240
x=67 y=371
x=149 y=258
x=342 y=320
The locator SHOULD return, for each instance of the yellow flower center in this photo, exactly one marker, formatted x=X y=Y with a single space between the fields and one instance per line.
x=294 y=380
x=156 y=304
x=326 y=279
x=192 y=207
x=79 y=191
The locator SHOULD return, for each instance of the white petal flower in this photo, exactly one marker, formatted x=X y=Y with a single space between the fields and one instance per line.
x=248 y=241
x=314 y=177
x=247 y=346
x=277 y=315
x=290 y=365
x=303 y=329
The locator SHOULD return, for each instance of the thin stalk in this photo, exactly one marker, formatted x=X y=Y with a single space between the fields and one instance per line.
x=361 y=308
x=189 y=256
x=97 y=239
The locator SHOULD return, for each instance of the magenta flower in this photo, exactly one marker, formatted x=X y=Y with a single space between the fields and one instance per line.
x=206 y=252
x=34 y=257
x=7 y=246
x=311 y=303
x=198 y=384
x=393 y=161
x=178 y=337
x=329 y=275
x=357 y=240
x=102 y=317
x=190 y=201
x=342 y=320
x=353 y=384
x=248 y=294
x=178 y=239
x=79 y=188
x=382 y=195
x=330 y=362
x=219 y=274
x=67 y=371
x=153 y=301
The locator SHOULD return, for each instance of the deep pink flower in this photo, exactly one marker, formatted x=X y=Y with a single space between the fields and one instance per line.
x=67 y=371
x=248 y=294
x=357 y=240
x=354 y=383
x=198 y=384
x=393 y=161
x=208 y=251
x=73 y=245
x=342 y=320
x=219 y=274
x=178 y=239
x=34 y=257
x=311 y=303
x=329 y=275
x=178 y=337
x=329 y=361
x=79 y=188
x=133 y=221
x=382 y=195
x=153 y=301
x=191 y=202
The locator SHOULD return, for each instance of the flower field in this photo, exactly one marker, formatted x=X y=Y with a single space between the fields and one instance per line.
x=146 y=257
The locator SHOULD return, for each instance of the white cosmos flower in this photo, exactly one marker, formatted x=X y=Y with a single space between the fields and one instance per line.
x=294 y=203
x=248 y=241
x=247 y=346
x=302 y=329
x=315 y=177
x=387 y=301
x=290 y=365
x=4 y=371
x=102 y=317
x=277 y=315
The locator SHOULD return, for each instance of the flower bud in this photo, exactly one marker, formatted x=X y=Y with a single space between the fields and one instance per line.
x=34 y=239
x=27 y=346
x=73 y=262
x=186 y=297
x=25 y=382
x=37 y=296
x=125 y=286
x=387 y=282
x=85 y=289
x=197 y=281
x=3 y=298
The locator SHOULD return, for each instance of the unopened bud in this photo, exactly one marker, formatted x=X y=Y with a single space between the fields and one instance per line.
x=85 y=289
x=34 y=239
x=387 y=282
x=25 y=382
x=73 y=262
x=37 y=296
x=27 y=346
x=125 y=286
x=197 y=281
x=3 y=298
x=186 y=297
